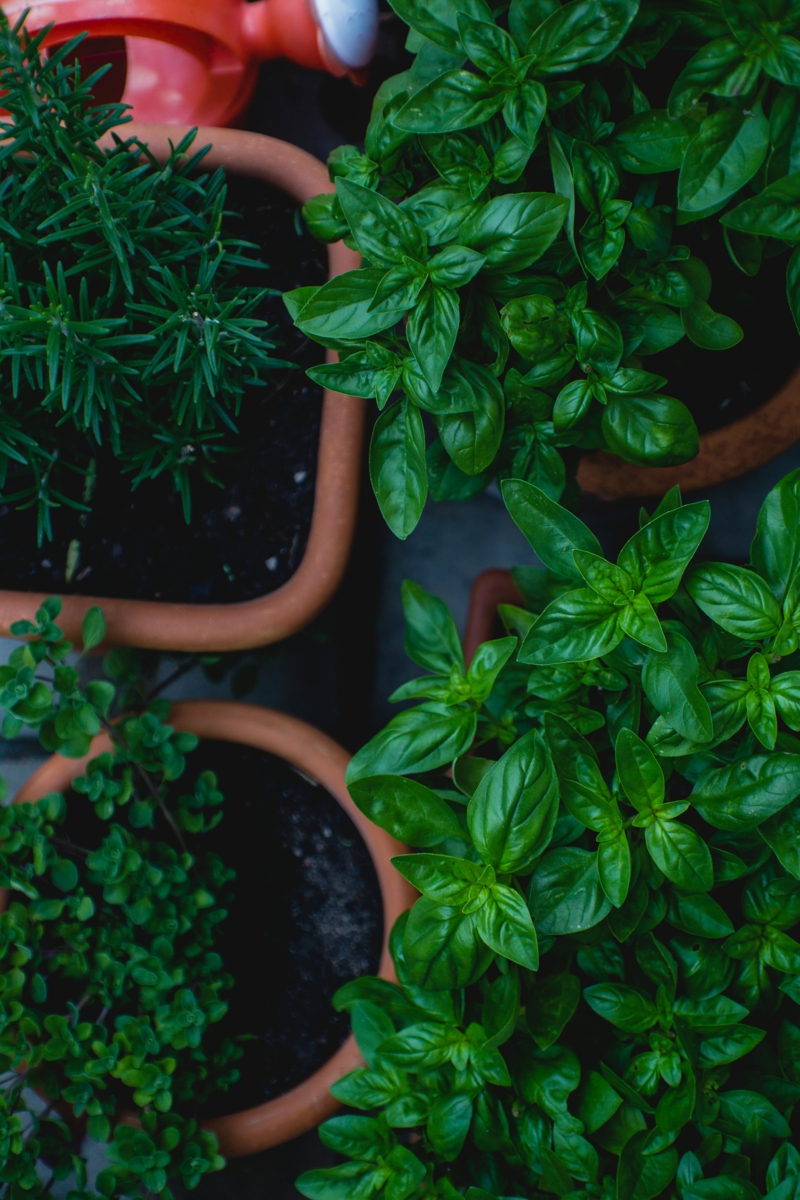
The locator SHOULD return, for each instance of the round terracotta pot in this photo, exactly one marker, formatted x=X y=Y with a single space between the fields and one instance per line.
x=319 y=757
x=725 y=453
x=155 y=625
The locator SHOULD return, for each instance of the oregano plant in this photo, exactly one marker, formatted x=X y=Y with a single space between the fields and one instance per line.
x=598 y=990
x=111 y=973
x=535 y=204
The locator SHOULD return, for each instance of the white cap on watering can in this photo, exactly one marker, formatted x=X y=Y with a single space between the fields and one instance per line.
x=349 y=29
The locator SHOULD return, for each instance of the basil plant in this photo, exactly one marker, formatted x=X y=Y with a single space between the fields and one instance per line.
x=598 y=989
x=533 y=205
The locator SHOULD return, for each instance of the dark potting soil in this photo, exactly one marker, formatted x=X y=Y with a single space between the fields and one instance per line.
x=245 y=538
x=719 y=386
x=306 y=918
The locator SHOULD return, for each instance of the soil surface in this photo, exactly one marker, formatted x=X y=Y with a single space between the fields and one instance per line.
x=719 y=386
x=307 y=917
x=245 y=538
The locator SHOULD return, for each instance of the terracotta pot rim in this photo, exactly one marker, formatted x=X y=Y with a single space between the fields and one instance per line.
x=491 y=587
x=324 y=761
x=241 y=625
x=725 y=453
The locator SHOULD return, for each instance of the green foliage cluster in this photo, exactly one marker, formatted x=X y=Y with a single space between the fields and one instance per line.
x=599 y=986
x=533 y=206
x=110 y=975
x=122 y=325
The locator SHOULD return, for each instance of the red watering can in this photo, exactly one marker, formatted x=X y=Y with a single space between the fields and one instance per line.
x=194 y=62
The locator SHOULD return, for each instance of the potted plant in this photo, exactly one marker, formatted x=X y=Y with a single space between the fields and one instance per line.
x=142 y=409
x=119 y=1008
x=565 y=212
x=598 y=989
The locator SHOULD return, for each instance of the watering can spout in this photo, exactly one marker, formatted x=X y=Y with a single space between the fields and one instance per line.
x=334 y=35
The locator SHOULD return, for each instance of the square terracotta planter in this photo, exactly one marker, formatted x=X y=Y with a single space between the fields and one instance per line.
x=157 y=625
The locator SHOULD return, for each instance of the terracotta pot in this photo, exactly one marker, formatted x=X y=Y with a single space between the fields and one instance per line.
x=725 y=453
x=322 y=759
x=492 y=587
x=155 y=625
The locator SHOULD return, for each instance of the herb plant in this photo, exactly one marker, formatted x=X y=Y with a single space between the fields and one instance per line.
x=599 y=986
x=535 y=203
x=123 y=327
x=111 y=976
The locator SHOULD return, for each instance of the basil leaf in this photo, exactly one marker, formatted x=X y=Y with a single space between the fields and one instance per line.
x=581 y=32
x=473 y=438
x=597 y=1101
x=551 y=1005
x=581 y=782
x=774 y=212
x=397 y=467
x=488 y=662
x=782 y=835
x=576 y=626
x=419 y=739
x=431 y=637
x=651 y=142
x=721 y=67
x=726 y=152
x=744 y=794
x=404 y=808
x=553 y=531
x=448 y=1124
x=736 y=599
x=523 y=112
x=512 y=231
x=446 y=481
x=775 y=552
x=639 y=772
x=432 y=329
x=708 y=329
x=727 y=1046
x=622 y=1005
x=565 y=894
x=338 y=1183
x=440 y=209
x=438 y=19
x=647 y=325
x=380 y=229
x=455 y=100
x=739 y=1107
x=670 y=684
x=658 y=554
x=642 y=1176
x=455 y=266
x=488 y=46
x=514 y=807
x=445 y=879
x=699 y=914
x=505 y=925
x=651 y=430
x=356 y=375
x=341 y=308
x=681 y=854
x=442 y=948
